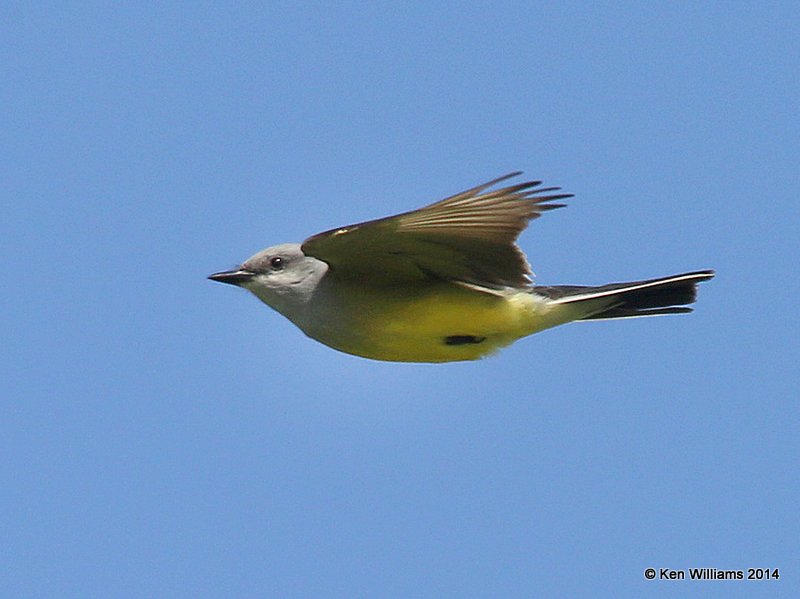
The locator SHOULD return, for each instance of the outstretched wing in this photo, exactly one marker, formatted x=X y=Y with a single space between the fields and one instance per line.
x=469 y=237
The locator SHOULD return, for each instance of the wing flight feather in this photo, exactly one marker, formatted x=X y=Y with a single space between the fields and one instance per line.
x=468 y=237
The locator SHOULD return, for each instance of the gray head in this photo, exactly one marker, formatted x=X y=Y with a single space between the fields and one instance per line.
x=280 y=276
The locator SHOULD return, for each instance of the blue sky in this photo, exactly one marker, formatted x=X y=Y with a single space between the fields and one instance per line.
x=162 y=435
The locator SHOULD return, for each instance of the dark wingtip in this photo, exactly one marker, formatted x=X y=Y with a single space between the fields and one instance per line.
x=506 y=177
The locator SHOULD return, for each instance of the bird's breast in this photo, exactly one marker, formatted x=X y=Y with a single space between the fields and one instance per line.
x=436 y=322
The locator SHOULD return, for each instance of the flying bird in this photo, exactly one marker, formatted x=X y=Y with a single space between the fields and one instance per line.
x=443 y=283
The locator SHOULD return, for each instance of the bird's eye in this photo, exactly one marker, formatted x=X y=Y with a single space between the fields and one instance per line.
x=276 y=263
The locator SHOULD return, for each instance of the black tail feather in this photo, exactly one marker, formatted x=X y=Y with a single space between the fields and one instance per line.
x=628 y=313
x=638 y=298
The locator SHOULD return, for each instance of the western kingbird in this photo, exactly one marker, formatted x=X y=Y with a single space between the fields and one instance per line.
x=443 y=283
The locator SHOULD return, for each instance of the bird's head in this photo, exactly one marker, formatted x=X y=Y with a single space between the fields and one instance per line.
x=280 y=276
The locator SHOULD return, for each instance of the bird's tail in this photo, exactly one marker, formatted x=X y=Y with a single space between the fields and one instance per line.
x=667 y=295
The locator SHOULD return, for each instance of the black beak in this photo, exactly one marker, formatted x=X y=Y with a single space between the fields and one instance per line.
x=232 y=277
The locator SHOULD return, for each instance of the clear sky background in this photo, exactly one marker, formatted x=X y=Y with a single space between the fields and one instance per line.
x=163 y=435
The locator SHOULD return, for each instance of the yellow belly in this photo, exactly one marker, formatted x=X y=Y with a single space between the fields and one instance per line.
x=437 y=323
